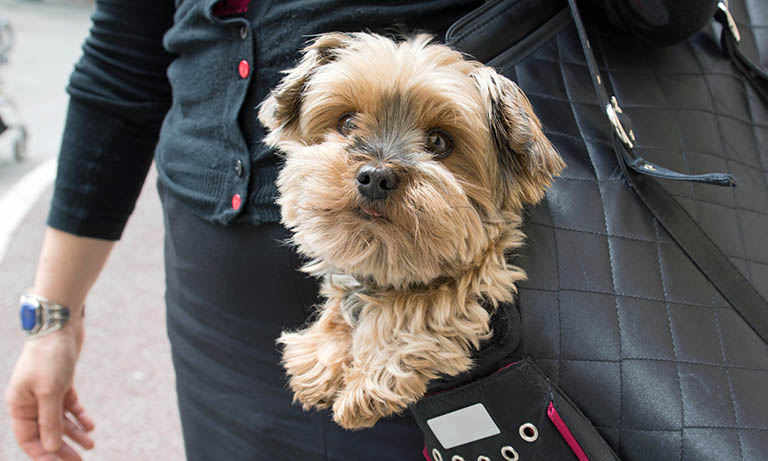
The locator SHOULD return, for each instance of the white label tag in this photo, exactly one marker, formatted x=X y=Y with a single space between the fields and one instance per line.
x=463 y=426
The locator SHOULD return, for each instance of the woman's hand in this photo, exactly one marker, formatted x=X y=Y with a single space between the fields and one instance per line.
x=42 y=401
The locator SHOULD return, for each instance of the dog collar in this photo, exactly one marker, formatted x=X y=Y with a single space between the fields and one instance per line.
x=370 y=285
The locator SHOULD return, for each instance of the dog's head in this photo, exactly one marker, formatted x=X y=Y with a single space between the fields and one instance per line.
x=404 y=161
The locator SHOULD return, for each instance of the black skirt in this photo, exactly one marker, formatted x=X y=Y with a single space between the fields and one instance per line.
x=231 y=290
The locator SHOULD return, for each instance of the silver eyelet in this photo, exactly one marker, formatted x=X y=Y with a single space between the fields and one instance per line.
x=436 y=456
x=483 y=458
x=457 y=458
x=528 y=432
x=509 y=453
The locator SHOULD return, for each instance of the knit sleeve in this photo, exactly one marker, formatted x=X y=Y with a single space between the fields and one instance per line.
x=119 y=94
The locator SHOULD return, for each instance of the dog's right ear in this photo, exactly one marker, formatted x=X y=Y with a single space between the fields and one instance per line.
x=280 y=111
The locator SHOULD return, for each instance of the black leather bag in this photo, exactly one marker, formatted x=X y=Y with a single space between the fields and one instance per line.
x=621 y=313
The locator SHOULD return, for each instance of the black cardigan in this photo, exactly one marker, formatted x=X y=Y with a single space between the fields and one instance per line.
x=175 y=80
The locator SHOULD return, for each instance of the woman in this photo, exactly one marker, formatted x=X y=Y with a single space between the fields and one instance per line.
x=180 y=82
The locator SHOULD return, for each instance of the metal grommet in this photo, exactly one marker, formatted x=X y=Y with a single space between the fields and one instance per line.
x=509 y=453
x=436 y=456
x=649 y=167
x=243 y=32
x=457 y=458
x=528 y=432
x=483 y=458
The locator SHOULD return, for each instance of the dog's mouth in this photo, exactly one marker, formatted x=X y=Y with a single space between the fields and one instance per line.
x=369 y=213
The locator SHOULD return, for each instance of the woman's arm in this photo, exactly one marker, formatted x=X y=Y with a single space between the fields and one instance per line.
x=42 y=401
x=119 y=96
x=68 y=267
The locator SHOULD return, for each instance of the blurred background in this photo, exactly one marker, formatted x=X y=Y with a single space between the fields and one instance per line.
x=124 y=376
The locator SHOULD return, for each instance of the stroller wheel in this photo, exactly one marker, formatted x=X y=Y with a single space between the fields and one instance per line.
x=20 y=145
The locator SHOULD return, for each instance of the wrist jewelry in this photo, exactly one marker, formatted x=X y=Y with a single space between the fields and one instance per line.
x=40 y=316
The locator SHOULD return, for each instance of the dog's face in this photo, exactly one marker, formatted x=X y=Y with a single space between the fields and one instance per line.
x=404 y=161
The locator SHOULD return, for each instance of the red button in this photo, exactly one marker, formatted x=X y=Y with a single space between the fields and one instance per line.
x=236 y=201
x=244 y=68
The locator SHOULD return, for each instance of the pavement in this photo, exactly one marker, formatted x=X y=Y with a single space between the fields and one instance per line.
x=48 y=39
x=124 y=376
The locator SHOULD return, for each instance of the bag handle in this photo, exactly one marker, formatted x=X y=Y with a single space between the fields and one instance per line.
x=720 y=271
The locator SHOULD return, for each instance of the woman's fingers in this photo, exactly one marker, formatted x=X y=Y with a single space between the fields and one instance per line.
x=50 y=420
x=72 y=404
x=33 y=428
x=67 y=453
x=48 y=457
x=34 y=449
x=77 y=434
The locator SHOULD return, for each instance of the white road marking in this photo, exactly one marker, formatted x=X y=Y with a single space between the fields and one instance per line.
x=20 y=198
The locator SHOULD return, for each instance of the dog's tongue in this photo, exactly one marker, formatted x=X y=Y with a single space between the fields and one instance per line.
x=370 y=211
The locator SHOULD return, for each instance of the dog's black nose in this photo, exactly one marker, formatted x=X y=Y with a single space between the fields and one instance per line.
x=376 y=183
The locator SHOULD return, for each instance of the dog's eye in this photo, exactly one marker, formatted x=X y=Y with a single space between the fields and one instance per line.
x=439 y=143
x=346 y=124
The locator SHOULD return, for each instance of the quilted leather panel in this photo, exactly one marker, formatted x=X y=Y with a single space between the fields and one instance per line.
x=614 y=311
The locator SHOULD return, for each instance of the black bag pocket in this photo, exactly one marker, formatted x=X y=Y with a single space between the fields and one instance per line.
x=515 y=413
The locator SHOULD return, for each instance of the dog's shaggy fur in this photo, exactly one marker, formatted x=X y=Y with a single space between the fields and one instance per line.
x=410 y=281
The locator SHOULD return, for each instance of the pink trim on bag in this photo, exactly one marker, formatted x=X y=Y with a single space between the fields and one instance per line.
x=562 y=428
x=426 y=454
x=229 y=7
x=505 y=367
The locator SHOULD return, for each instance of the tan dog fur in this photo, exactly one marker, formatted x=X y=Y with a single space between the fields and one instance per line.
x=405 y=288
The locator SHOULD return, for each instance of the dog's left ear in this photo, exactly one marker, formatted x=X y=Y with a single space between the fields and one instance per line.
x=528 y=161
x=279 y=112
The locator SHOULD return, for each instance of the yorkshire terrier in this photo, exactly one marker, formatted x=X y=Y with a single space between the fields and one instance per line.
x=406 y=170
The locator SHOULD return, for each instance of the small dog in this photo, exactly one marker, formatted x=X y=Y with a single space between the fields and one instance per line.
x=406 y=171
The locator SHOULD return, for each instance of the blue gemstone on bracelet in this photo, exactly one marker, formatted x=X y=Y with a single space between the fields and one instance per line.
x=28 y=316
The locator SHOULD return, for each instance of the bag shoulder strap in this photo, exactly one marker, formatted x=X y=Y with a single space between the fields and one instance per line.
x=720 y=271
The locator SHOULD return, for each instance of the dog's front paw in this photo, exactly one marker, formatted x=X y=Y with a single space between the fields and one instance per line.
x=313 y=378
x=367 y=397
x=356 y=409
